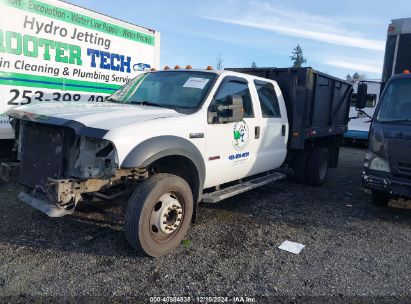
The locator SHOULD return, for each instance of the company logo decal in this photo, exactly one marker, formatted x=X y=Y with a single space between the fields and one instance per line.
x=241 y=135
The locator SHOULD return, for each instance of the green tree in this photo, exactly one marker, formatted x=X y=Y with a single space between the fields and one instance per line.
x=297 y=57
x=253 y=65
x=356 y=77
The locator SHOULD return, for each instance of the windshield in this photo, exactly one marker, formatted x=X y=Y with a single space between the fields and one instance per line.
x=396 y=102
x=173 y=89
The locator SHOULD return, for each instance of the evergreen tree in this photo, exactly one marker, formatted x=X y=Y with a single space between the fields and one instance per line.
x=356 y=76
x=297 y=57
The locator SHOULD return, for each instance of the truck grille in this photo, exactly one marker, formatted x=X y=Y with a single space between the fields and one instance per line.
x=404 y=168
x=41 y=154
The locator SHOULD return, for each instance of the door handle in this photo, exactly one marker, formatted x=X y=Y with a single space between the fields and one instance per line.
x=283 y=130
x=257 y=133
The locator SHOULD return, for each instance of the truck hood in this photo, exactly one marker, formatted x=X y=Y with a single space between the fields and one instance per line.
x=103 y=116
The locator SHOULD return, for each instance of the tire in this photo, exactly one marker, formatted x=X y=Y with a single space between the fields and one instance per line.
x=160 y=196
x=317 y=166
x=379 y=198
x=300 y=164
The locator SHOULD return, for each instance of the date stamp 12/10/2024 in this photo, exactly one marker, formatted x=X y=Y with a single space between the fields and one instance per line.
x=204 y=299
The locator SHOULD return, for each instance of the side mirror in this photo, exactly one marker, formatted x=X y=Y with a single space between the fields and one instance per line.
x=361 y=96
x=229 y=111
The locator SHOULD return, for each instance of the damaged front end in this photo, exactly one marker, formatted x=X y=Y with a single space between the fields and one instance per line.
x=58 y=166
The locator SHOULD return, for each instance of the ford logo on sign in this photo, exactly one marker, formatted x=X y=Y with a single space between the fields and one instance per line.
x=141 y=66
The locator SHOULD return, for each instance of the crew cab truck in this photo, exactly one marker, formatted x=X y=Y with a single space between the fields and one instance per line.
x=169 y=139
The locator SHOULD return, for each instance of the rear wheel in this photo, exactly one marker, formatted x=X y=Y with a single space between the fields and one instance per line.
x=300 y=164
x=317 y=166
x=379 y=198
x=158 y=214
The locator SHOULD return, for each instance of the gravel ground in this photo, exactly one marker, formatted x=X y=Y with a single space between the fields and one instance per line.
x=354 y=251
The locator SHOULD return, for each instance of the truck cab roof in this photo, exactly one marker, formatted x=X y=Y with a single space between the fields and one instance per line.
x=217 y=72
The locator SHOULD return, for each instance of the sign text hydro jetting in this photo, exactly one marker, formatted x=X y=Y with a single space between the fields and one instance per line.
x=50 y=47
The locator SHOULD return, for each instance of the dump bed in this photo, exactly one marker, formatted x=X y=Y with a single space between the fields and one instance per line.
x=317 y=104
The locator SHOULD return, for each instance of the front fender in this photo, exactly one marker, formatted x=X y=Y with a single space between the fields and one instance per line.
x=155 y=148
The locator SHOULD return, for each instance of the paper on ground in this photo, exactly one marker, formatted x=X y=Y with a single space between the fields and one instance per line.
x=292 y=247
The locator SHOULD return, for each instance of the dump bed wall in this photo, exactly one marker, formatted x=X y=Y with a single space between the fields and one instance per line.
x=317 y=104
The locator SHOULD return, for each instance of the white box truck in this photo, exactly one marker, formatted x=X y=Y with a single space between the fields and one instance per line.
x=55 y=51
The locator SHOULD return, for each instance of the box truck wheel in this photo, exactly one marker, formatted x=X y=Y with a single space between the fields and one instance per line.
x=317 y=166
x=379 y=198
x=158 y=214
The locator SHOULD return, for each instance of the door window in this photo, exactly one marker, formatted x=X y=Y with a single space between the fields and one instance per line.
x=270 y=107
x=236 y=86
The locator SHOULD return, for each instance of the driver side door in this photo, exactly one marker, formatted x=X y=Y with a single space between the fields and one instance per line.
x=231 y=147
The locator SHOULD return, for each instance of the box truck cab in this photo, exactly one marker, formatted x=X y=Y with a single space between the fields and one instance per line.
x=387 y=166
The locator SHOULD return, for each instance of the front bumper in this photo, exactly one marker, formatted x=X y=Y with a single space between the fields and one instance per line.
x=59 y=197
x=395 y=186
x=42 y=204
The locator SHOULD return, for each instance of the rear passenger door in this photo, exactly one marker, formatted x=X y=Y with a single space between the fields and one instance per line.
x=273 y=125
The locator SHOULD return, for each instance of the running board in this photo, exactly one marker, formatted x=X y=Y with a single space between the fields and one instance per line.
x=222 y=194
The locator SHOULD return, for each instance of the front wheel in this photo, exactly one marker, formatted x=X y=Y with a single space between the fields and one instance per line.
x=158 y=214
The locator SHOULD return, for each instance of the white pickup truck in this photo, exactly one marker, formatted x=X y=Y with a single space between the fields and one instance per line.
x=170 y=139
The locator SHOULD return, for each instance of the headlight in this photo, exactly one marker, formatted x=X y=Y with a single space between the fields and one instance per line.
x=374 y=162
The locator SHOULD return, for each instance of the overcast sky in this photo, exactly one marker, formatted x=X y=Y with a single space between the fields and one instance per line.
x=337 y=37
